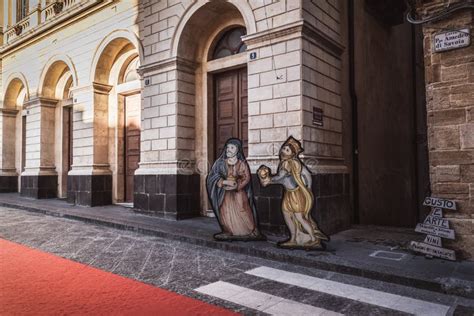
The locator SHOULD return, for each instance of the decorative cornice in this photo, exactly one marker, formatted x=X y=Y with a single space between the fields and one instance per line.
x=274 y=33
x=40 y=101
x=9 y=112
x=101 y=88
x=173 y=63
x=322 y=40
x=297 y=29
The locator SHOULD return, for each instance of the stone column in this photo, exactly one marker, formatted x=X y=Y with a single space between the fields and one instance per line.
x=90 y=180
x=450 y=100
x=166 y=183
x=39 y=179
x=8 y=174
x=296 y=69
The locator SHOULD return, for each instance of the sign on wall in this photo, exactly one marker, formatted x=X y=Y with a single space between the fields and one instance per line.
x=435 y=227
x=451 y=40
x=317 y=116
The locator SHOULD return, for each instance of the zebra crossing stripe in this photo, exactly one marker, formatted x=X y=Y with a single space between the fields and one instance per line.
x=357 y=293
x=270 y=304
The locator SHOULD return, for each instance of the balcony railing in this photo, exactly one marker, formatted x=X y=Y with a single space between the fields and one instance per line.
x=42 y=16
x=56 y=8
x=18 y=29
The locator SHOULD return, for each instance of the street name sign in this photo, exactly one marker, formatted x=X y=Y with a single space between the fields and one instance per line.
x=451 y=40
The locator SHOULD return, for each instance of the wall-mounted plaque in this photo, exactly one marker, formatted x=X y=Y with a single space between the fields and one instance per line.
x=451 y=40
x=317 y=116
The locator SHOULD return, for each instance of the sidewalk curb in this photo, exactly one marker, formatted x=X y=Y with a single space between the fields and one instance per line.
x=419 y=283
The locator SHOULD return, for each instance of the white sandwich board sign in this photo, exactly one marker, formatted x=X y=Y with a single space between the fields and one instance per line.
x=435 y=227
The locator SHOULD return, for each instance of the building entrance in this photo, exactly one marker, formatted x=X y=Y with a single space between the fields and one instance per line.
x=132 y=142
x=231 y=108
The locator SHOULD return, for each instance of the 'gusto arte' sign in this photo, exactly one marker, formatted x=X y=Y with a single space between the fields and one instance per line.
x=452 y=40
x=435 y=227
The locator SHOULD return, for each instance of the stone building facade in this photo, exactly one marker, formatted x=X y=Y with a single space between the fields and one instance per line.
x=113 y=101
x=292 y=63
x=68 y=69
x=450 y=101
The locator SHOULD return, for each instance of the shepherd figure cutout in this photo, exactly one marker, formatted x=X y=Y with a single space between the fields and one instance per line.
x=298 y=198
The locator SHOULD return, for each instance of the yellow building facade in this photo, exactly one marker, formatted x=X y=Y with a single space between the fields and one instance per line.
x=68 y=68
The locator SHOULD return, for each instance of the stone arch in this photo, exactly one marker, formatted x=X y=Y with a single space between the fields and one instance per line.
x=15 y=83
x=241 y=6
x=64 y=85
x=52 y=73
x=120 y=66
x=200 y=27
x=111 y=47
x=112 y=55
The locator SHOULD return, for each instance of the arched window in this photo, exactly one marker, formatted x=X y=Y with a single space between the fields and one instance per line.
x=130 y=73
x=230 y=43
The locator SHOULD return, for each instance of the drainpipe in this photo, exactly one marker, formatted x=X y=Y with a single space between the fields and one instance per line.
x=415 y=120
x=353 y=95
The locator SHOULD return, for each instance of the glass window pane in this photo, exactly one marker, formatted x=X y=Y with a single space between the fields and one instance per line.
x=230 y=43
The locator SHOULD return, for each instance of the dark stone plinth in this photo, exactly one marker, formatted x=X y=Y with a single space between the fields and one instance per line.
x=39 y=187
x=89 y=190
x=172 y=196
x=331 y=209
x=8 y=184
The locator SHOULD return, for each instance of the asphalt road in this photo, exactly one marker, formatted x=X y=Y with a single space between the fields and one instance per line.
x=244 y=284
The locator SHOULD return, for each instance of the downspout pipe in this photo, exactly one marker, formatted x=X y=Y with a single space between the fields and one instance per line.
x=355 y=128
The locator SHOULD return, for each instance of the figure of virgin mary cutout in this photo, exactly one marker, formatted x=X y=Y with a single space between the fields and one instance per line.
x=229 y=188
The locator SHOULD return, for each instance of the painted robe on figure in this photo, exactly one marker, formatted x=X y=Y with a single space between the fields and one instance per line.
x=235 y=209
x=297 y=200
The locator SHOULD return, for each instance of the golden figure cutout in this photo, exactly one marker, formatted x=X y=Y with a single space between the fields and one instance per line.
x=298 y=199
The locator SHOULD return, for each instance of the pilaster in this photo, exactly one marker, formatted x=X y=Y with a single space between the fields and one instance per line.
x=165 y=183
x=8 y=173
x=39 y=179
x=90 y=180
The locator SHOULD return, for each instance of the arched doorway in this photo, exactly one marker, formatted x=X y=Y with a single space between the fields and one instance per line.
x=211 y=41
x=230 y=91
x=13 y=124
x=129 y=97
x=115 y=69
x=57 y=80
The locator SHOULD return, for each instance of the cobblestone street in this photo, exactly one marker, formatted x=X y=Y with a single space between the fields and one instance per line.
x=192 y=270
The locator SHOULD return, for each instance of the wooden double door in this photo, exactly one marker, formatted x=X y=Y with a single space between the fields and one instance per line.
x=231 y=108
x=132 y=142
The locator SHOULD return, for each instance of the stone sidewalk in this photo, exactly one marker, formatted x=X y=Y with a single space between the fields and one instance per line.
x=378 y=253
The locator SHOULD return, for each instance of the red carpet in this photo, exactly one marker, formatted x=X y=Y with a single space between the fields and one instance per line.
x=34 y=282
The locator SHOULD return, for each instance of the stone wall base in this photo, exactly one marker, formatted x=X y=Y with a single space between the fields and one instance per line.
x=172 y=196
x=8 y=184
x=89 y=190
x=39 y=187
x=332 y=208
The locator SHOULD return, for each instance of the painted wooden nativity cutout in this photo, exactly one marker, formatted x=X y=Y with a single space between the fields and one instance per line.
x=298 y=198
x=229 y=188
